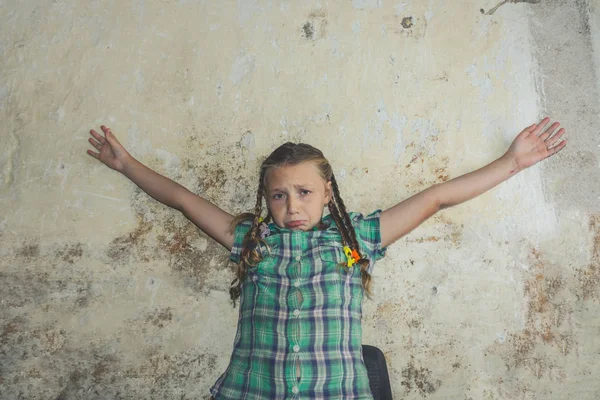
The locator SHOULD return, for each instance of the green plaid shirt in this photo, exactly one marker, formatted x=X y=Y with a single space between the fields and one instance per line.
x=318 y=331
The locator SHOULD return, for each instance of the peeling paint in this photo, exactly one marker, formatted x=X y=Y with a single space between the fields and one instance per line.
x=242 y=68
x=367 y=4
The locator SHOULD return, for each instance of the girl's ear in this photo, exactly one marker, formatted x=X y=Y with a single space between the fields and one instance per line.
x=328 y=192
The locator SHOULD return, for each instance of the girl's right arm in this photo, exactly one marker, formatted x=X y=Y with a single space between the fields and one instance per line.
x=205 y=215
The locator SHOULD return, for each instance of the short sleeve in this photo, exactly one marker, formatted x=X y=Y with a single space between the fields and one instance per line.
x=238 y=239
x=368 y=233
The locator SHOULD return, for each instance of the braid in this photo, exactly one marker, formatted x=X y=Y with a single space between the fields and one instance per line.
x=344 y=213
x=250 y=254
x=333 y=210
x=258 y=206
x=347 y=230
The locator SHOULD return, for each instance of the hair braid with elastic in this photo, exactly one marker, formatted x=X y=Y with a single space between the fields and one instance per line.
x=351 y=233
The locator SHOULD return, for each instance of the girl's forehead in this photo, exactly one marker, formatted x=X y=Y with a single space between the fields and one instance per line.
x=303 y=173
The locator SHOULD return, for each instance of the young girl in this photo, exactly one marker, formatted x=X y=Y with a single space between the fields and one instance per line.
x=301 y=275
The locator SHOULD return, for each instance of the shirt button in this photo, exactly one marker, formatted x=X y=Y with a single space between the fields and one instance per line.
x=297 y=283
x=296 y=348
x=295 y=390
x=298 y=258
x=296 y=312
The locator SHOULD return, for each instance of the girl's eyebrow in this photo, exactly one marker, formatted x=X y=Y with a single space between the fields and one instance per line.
x=301 y=186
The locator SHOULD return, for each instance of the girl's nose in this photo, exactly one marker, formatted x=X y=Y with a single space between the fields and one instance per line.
x=291 y=205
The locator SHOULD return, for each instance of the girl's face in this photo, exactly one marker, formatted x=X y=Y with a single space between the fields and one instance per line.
x=296 y=195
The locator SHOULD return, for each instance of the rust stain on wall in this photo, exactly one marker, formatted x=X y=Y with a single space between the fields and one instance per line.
x=419 y=378
x=160 y=318
x=426 y=171
x=52 y=340
x=10 y=329
x=121 y=248
x=70 y=253
x=589 y=278
x=216 y=178
x=547 y=335
x=165 y=234
x=187 y=259
x=29 y=250
x=172 y=369
x=451 y=232
x=210 y=178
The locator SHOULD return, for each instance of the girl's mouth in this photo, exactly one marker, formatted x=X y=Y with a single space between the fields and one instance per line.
x=294 y=224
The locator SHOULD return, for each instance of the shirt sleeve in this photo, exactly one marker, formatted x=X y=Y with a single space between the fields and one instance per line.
x=240 y=231
x=368 y=234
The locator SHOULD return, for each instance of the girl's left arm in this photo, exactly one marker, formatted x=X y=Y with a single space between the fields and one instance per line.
x=528 y=148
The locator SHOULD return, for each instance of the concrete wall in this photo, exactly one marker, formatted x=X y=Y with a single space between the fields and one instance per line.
x=106 y=294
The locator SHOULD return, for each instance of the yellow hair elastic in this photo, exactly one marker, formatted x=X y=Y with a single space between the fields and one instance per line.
x=351 y=255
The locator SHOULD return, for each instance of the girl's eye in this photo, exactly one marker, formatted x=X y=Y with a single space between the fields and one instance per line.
x=278 y=196
x=304 y=192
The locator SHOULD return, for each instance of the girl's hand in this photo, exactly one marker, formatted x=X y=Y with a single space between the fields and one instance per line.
x=111 y=152
x=531 y=147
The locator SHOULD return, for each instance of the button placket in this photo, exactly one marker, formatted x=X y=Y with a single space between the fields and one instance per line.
x=297 y=283
x=296 y=313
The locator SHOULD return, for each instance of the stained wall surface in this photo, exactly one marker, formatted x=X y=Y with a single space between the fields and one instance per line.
x=107 y=294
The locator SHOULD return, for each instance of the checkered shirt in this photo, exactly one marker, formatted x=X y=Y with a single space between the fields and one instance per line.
x=319 y=331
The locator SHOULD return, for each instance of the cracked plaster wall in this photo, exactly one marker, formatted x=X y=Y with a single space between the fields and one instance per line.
x=106 y=294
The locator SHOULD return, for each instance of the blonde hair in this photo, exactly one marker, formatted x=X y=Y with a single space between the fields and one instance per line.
x=293 y=154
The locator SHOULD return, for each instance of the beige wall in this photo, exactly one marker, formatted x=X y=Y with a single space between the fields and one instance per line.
x=105 y=294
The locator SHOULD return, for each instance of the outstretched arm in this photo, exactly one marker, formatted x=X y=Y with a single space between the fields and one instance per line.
x=205 y=215
x=528 y=148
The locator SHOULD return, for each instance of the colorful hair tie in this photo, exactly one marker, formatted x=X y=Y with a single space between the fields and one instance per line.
x=264 y=228
x=351 y=255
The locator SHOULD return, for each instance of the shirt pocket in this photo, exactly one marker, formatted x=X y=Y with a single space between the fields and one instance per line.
x=335 y=276
x=329 y=252
x=264 y=274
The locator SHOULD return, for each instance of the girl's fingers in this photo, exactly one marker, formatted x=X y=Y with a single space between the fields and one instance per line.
x=551 y=141
x=97 y=136
x=110 y=137
x=95 y=155
x=94 y=143
x=557 y=148
x=549 y=131
x=541 y=126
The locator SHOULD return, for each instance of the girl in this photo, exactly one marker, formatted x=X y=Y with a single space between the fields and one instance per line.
x=301 y=276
